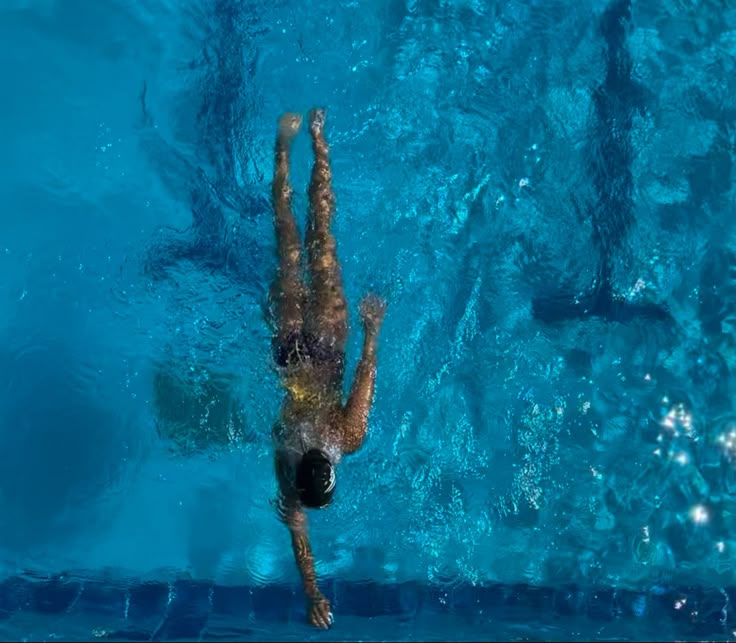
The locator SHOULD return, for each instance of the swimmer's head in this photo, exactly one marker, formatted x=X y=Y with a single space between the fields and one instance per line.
x=315 y=479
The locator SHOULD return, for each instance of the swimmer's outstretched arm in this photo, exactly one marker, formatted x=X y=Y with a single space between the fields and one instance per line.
x=319 y=607
x=296 y=520
x=372 y=310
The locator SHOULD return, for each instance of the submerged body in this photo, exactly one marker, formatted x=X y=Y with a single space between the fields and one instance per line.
x=315 y=427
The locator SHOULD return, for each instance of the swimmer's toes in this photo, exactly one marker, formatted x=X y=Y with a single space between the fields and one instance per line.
x=317 y=121
x=289 y=125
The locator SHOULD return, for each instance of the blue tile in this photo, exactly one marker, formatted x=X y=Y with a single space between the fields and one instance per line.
x=55 y=596
x=148 y=600
x=232 y=633
x=390 y=599
x=533 y=597
x=714 y=606
x=681 y=606
x=236 y=601
x=131 y=634
x=493 y=597
x=569 y=601
x=329 y=587
x=634 y=604
x=731 y=593
x=602 y=604
x=465 y=597
x=711 y=606
x=436 y=598
x=187 y=611
x=363 y=599
x=488 y=598
x=103 y=599
x=190 y=599
x=411 y=598
x=186 y=628
x=274 y=603
x=15 y=594
x=511 y=603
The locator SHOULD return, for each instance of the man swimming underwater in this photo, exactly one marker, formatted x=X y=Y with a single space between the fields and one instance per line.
x=315 y=429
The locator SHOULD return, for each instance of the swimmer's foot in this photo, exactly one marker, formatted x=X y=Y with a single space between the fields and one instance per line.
x=289 y=125
x=316 y=121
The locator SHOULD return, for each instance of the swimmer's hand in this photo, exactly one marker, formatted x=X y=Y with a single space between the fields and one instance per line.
x=318 y=612
x=372 y=311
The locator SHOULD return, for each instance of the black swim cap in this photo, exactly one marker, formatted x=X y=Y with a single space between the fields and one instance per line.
x=315 y=479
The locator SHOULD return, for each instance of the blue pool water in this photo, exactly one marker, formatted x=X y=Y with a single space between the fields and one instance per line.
x=541 y=190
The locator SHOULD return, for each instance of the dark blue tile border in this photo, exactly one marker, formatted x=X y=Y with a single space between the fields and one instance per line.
x=98 y=598
x=232 y=601
x=15 y=594
x=55 y=596
x=146 y=600
x=192 y=610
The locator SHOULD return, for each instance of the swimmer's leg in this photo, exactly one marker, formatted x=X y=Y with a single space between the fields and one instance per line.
x=327 y=319
x=287 y=291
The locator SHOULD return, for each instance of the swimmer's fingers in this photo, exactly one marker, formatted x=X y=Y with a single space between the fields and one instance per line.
x=319 y=613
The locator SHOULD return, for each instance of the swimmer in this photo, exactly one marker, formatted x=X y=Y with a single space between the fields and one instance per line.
x=315 y=429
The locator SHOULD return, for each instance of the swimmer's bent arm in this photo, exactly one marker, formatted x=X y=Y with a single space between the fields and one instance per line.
x=355 y=419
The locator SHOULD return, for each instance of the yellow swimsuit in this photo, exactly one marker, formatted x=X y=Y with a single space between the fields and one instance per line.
x=300 y=388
